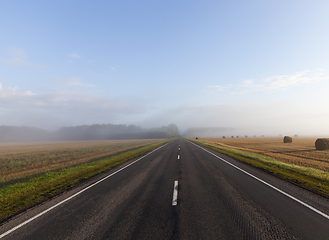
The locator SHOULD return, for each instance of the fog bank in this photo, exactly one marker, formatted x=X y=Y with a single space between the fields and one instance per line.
x=86 y=132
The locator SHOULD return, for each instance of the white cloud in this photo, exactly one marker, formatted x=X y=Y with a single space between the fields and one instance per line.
x=6 y=93
x=29 y=93
x=73 y=55
x=274 y=84
x=247 y=83
x=79 y=84
x=284 y=82
x=218 y=87
x=58 y=107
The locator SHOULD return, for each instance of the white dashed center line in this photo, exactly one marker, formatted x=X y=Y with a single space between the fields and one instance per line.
x=174 y=198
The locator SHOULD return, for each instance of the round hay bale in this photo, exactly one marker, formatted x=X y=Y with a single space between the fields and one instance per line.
x=287 y=139
x=322 y=144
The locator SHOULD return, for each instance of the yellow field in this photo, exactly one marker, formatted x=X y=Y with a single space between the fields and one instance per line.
x=20 y=160
x=300 y=152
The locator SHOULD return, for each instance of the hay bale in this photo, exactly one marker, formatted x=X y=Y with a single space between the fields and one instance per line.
x=287 y=139
x=322 y=144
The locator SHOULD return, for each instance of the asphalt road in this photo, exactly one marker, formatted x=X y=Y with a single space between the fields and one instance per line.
x=215 y=200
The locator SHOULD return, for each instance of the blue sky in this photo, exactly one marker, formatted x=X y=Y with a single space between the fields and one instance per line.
x=257 y=66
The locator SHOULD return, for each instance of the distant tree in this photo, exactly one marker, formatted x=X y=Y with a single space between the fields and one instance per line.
x=87 y=132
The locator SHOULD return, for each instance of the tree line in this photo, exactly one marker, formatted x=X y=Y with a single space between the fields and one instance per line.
x=86 y=132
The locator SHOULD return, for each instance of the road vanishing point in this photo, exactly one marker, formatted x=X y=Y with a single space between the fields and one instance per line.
x=178 y=191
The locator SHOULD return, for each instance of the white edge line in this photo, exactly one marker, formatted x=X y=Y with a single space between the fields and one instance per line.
x=76 y=194
x=266 y=183
x=175 y=194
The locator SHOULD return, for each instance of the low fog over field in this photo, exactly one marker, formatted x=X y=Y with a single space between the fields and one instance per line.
x=86 y=132
x=222 y=67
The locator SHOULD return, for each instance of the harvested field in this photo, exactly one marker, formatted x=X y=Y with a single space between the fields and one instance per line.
x=85 y=160
x=22 y=160
x=300 y=152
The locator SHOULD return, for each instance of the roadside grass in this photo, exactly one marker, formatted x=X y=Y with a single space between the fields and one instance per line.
x=22 y=195
x=309 y=178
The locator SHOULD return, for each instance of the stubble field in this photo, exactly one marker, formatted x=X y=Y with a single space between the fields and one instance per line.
x=298 y=162
x=22 y=160
x=300 y=152
x=34 y=172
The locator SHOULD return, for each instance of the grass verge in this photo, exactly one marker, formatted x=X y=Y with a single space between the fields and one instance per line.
x=14 y=198
x=309 y=178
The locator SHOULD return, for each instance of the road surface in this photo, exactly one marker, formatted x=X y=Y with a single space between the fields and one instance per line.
x=180 y=191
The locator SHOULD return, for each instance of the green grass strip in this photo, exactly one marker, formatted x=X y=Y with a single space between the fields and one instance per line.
x=312 y=179
x=28 y=193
